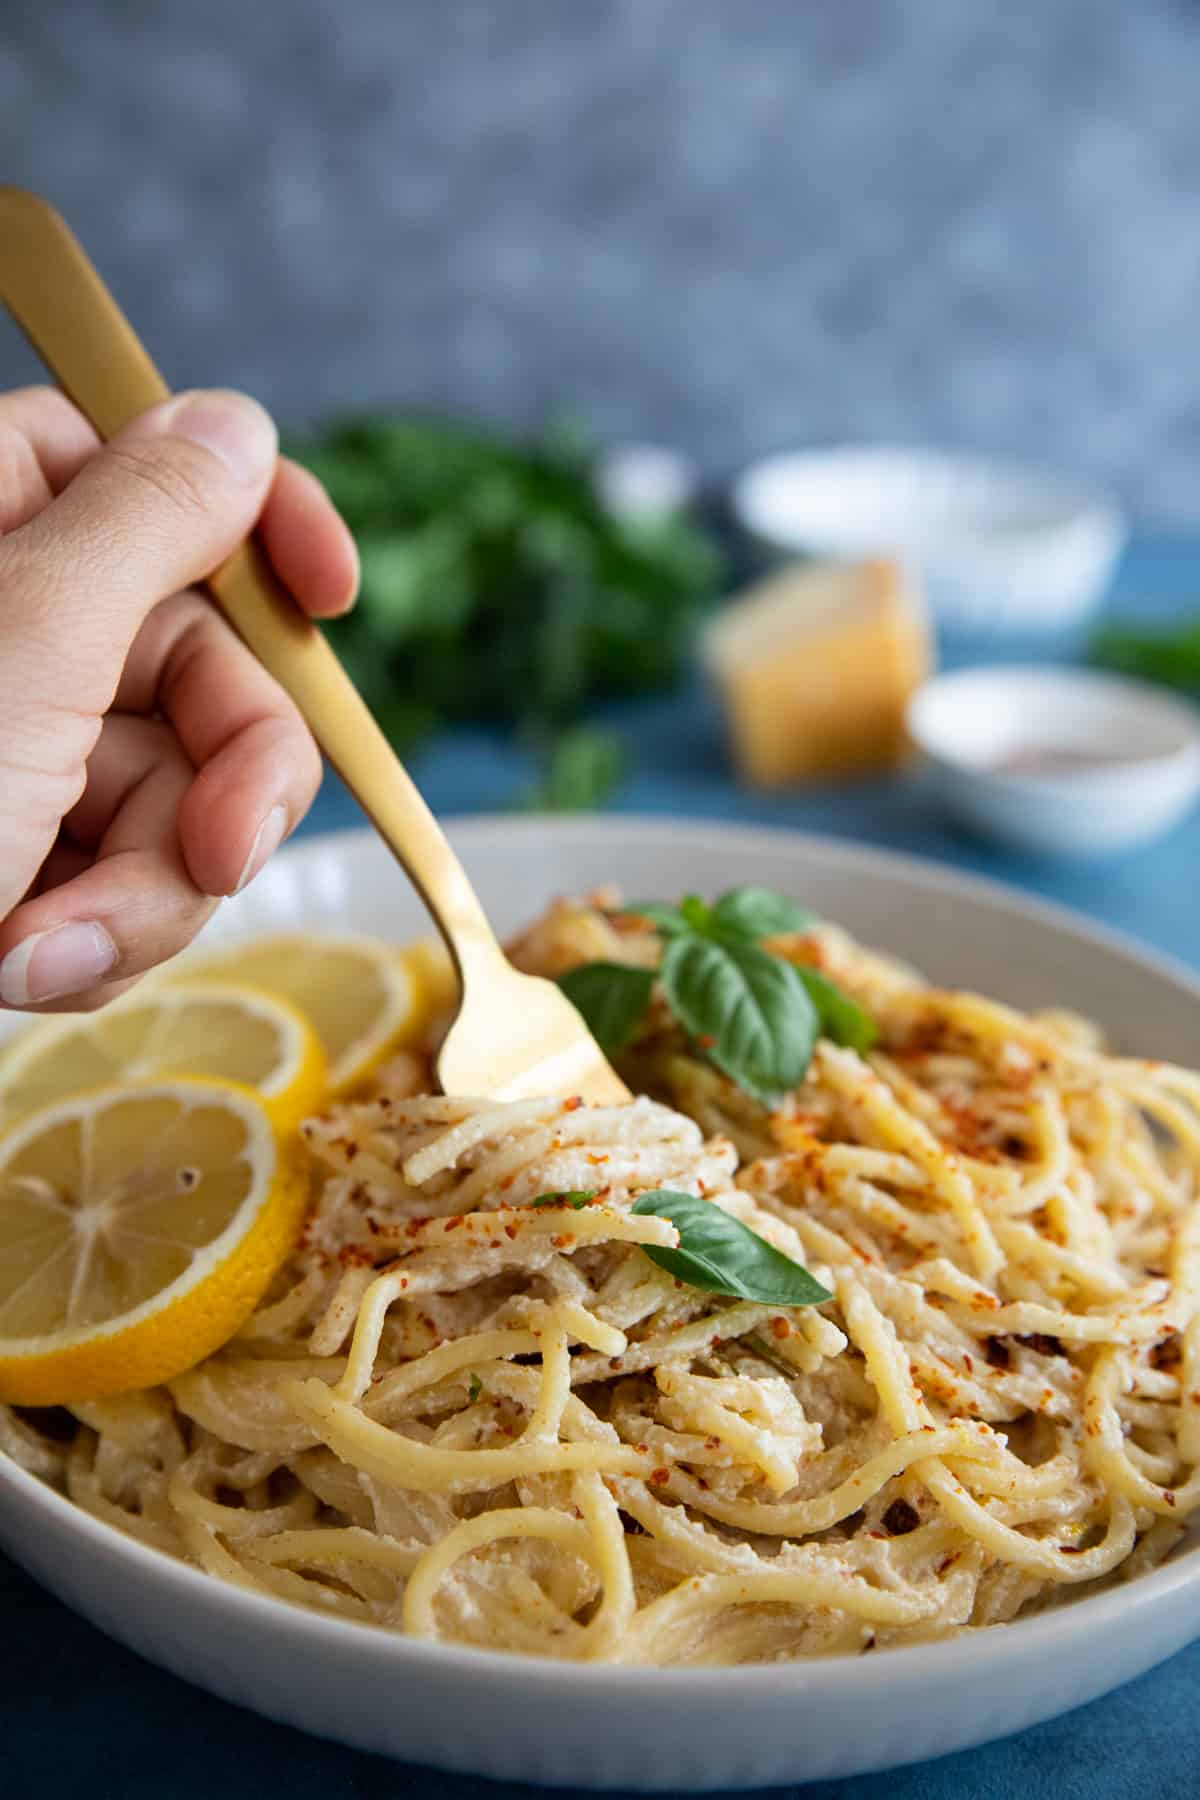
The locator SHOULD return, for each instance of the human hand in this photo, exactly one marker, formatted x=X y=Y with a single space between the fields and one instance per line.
x=148 y=764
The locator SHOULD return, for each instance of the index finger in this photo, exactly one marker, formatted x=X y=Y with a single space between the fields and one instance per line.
x=44 y=442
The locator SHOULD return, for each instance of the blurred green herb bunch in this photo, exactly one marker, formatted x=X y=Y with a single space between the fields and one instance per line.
x=498 y=586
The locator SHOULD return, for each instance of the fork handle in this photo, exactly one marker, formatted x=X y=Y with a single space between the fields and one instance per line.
x=57 y=298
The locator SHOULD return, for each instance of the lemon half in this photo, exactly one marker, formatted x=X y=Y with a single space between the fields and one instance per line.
x=139 y=1227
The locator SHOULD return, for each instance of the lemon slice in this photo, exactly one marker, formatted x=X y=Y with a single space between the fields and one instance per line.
x=362 y=997
x=139 y=1227
x=207 y=1029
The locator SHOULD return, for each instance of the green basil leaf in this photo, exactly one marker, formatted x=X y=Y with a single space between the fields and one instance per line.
x=575 y=1198
x=612 y=998
x=748 y=1010
x=842 y=1019
x=474 y=1388
x=758 y=912
x=668 y=921
x=721 y=1255
x=697 y=914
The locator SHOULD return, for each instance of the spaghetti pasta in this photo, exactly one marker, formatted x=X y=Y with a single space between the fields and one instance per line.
x=473 y=1408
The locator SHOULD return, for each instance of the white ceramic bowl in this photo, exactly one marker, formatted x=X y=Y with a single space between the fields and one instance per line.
x=1138 y=751
x=525 y=1719
x=999 y=547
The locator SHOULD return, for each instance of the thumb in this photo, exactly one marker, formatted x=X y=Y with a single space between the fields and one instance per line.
x=159 y=507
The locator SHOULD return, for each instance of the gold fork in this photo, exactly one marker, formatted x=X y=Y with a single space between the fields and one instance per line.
x=515 y=1035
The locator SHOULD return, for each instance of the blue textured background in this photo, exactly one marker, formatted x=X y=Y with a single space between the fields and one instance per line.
x=83 y=1719
x=723 y=223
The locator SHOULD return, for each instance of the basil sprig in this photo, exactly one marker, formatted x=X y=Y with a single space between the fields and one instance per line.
x=721 y=1255
x=754 y=1014
x=748 y=1011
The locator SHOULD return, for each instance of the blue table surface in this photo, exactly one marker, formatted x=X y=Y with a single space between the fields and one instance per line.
x=83 y=1716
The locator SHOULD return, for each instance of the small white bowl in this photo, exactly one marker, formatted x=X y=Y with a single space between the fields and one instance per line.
x=1061 y=761
x=999 y=547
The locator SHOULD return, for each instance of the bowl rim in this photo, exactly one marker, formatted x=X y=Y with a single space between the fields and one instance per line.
x=908 y=1667
x=1067 y=500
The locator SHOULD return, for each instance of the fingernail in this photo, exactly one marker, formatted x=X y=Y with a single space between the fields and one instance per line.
x=234 y=427
x=49 y=964
x=267 y=840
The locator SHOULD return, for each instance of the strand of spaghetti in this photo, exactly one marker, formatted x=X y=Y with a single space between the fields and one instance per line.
x=284 y=1314
x=331 y=1329
x=1047 y=1125
x=490 y=1120
x=368 y=1329
x=592 y=1224
x=545 y=1420
x=472 y=1534
x=1181 y=1121
x=804 y=1588
x=338 y=1544
x=863 y=1089
x=404 y=1462
x=460 y=1353
x=610 y=1556
x=245 y=1521
x=585 y=1328
x=212 y=1555
x=689 y=1340
x=1022 y=1244
x=1104 y=1449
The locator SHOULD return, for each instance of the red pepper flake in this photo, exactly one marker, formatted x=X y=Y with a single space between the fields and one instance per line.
x=1169 y=1496
x=659 y=1477
x=706 y=1041
x=510 y=1231
x=573 y=1104
x=780 y=1329
x=597 y=1160
x=454 y=1223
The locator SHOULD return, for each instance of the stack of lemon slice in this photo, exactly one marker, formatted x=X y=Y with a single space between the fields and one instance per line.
x=152 y=1180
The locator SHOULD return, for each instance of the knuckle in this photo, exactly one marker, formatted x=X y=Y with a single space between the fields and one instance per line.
x=167 y=469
